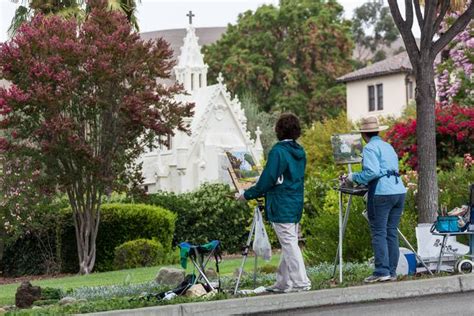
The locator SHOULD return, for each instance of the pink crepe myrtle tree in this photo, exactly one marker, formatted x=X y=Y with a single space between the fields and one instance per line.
x=84 y=101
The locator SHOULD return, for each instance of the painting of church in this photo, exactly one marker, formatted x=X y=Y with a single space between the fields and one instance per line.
x=218 y=126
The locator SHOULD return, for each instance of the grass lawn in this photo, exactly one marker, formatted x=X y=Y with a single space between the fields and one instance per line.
x=132 y=276
x=123 y=295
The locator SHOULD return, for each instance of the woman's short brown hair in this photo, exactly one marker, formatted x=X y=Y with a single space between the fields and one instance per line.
x=288 y=127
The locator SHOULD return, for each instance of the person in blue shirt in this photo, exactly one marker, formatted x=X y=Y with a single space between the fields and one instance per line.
x=282 y=185
x=385 y=200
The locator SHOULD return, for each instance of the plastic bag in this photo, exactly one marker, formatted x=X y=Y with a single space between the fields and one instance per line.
x=261 y=244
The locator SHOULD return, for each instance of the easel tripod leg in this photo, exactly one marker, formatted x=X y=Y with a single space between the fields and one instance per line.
x=340 y=237
x=344 y=226
x=255 y=273
x=246 y=250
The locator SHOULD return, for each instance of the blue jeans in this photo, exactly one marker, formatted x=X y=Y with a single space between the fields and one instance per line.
x=384 y=222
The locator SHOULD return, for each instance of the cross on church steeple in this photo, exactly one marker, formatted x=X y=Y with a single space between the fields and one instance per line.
x=190 y=15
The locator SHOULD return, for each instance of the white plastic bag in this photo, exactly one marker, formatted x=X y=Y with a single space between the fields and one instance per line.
x=261 y=244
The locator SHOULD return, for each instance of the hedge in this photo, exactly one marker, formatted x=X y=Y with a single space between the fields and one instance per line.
x=208 y=213
x=119 y=223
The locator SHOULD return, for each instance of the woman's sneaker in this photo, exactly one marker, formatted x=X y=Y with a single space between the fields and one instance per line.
x=377 y=278
x=393 y=278
x=275 y=289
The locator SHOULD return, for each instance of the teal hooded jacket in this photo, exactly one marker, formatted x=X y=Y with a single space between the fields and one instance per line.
x=282 y=183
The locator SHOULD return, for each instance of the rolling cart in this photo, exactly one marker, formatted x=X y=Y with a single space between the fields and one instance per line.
x=462 y=263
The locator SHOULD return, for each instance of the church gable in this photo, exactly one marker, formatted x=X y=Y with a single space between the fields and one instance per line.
x=218 y=125
x=221 y=118
x=222 y=123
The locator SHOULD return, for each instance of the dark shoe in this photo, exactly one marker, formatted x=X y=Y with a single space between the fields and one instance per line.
x=377 y=278
x=274 y=289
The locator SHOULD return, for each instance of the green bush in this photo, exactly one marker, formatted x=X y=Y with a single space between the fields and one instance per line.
x=120 y=223
x=267 y=269
x=36 y=250
x=208 y=213
x=316 y=140
x=138 y=253
x=214 y=214
x=172 y=257
x=51 y=293
x=178 y=204
x=322 y=232
x=124 y=222
x=454 y=185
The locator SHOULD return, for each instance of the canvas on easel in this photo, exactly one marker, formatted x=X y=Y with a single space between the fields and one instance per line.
x=243 y=170
x=347 y=148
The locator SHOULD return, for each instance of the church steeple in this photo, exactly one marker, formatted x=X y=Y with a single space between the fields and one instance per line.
x=191 y=71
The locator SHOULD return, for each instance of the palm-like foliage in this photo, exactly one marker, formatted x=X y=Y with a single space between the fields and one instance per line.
x=128 y=7
x=76 y=9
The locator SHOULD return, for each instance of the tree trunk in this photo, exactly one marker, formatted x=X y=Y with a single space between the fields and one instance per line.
x=3 y=237
x=86 y=215
x=427 y=195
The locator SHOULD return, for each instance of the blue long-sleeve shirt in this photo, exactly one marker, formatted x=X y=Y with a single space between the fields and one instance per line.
x=378 y=158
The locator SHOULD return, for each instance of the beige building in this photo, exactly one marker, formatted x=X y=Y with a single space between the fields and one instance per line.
x=381 y=89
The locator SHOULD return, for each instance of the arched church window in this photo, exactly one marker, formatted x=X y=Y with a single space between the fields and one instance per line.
x=192 y=82
x=200 y=80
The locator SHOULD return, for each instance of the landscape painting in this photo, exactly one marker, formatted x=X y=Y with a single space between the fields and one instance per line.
x=243 y=169
x=347 y=148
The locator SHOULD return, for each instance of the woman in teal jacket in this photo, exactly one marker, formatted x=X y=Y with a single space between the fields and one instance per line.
x=282 y=185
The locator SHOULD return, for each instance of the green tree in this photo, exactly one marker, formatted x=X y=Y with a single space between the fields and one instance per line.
x=422 y=58
x=288 y=57
x=372 y=29
x=258 y=118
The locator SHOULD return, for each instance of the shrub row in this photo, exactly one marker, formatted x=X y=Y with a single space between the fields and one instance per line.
x=56 y=246
x=206 y=214
x=200 y=216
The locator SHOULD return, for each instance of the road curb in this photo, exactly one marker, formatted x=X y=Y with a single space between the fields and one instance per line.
x=311 y=299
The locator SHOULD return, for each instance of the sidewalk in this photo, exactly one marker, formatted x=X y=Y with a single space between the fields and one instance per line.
x=279 y=302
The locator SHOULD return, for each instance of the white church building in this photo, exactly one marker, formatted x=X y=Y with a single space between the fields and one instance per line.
x=218 y=125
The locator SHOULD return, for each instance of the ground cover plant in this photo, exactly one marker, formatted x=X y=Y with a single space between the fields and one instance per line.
x=123 y=297
x=121 y=277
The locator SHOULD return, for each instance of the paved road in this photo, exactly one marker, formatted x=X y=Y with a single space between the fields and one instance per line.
x=458 y=304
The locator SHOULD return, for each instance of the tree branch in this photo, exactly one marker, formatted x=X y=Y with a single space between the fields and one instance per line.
x=407 y=35
x=427 y=30
x=409 y=14
x=441 y=15
x=457 y=27
x=419 y=16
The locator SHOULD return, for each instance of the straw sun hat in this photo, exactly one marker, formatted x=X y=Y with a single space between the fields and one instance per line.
x=370 y=124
